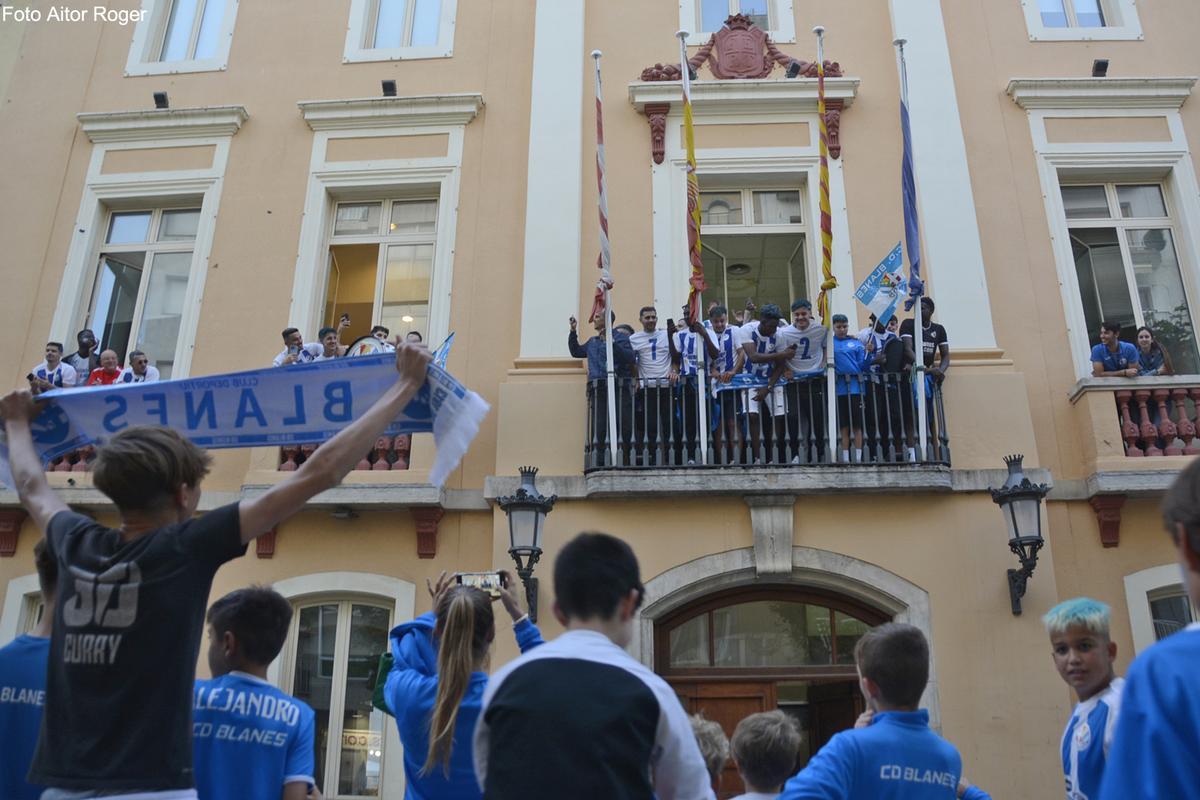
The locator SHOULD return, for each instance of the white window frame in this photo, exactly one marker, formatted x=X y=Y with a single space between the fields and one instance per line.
x=1140 y=588
x=22 y=597
x=781 y=13
x=331 y=182
x=151 y=248
x=749 y=228
x=140 y=130
x=1123 y=225
x=362 y=23
x=366 y=587
x=788 y=164
x=1120 y=16
x=383 y=240
x=1168 y=163
x=146 y=48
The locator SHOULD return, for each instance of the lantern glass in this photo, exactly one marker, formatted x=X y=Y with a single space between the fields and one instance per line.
x=1023 y=515
x=525 y=528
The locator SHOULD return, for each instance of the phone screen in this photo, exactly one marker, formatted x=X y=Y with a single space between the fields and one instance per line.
x=489 y=582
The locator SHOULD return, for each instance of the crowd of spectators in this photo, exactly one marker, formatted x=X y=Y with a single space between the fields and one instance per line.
x=88 y=367
x=763 y=383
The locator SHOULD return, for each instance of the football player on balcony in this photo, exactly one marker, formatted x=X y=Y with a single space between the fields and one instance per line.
x=53 y=373
x=140 y=370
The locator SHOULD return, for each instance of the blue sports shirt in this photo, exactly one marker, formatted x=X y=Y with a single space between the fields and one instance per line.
x=1086 y=741
x=249 y=739
x=849 y=360
x=897 y=757
x=22 y=695
x=1155 y=753
x=1125 y=357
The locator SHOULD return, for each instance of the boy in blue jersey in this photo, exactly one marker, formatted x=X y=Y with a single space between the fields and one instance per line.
x=850 y=359
x=23 y=688
x=1156 y=750
x=896 y=755
x=1084 y=656
x=1113 y=358
x=250 y=740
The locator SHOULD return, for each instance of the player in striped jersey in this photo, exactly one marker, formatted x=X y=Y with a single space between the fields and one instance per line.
x=1084 y=656
x=686 y=344
x=728 y=363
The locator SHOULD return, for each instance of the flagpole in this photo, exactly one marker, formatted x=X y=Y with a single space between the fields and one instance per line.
x=695 y=309
x=828 y=282
x=918 y=325
x=605 y=264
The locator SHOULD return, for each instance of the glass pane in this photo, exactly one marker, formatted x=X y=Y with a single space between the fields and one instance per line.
x=406 y=288
x=1141 y=201
x=777 y=208
x=1088 y=14
x=1160 y=288
x=1170 y=615
x=1102 y=285
x=357 y=219
x=362 y=723
x=178 y=225
x=720 y=208
x=689 y=643
x=115 y=298
x=413 y=216
x=765 y=268
x=1053 y=15
x=128 y=227
x=313 y=679
x=849 y=631
x=713 y=14
x=158 y=333
x=771 y=633
x=389 y=24
x=179 y=30
x=210 y=29
x=1085 y=202
x=756 y=10
x=426 y=18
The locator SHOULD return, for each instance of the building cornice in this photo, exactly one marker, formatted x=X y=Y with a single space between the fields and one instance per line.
x=745 y=96
x=158 y=124
x=1059 y=93
x=383 y=112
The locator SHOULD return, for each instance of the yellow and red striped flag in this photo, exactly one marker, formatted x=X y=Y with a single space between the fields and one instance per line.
x=695 y=255
x=828 y=282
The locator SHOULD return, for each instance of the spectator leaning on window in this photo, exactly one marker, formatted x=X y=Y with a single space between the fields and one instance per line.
x=108 y=371
x=86 y=359
x=53 y=373
x=1113 y=358
x=295 y=351
x=140 y=370
x=329 y=344
x=1152 y=358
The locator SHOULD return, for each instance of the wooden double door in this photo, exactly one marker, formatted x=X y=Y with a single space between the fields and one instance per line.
x=829 y=705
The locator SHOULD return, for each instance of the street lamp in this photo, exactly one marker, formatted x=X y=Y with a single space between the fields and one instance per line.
x=526 y=511
x=1020 y=501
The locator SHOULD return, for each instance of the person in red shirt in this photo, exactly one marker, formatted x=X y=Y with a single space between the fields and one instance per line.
x=108 y=371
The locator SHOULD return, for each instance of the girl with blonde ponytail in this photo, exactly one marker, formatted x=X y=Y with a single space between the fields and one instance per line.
x=435 y=686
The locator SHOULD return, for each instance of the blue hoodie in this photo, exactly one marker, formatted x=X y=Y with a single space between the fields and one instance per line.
x=896 y=756
x=411 y=690
x=850 y=358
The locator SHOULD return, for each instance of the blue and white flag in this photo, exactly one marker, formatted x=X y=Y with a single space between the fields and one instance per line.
x=885 y=287
x=293 y=405
x=443 y=352
x=908 y=188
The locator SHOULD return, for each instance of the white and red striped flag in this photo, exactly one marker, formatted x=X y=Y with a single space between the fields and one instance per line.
x=604 y=260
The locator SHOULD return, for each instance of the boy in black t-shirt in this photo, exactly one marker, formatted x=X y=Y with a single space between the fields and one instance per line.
x=130 y=607
x=935 y=344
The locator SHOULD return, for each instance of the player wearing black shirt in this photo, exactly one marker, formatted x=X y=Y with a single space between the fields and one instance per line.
x=935 y=345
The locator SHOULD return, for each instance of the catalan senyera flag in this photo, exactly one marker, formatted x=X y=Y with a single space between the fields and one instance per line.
x=695 y=256
x=828 y=282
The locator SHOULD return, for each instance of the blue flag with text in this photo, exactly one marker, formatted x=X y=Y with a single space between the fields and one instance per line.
x=293 y=405
x=885 y=287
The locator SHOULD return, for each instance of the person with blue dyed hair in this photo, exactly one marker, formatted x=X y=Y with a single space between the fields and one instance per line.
x=1084 y=655
x=1156 y=751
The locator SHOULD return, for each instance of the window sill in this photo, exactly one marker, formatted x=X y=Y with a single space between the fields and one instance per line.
x=174 y=67
x=364 y=56
x=1125 y=34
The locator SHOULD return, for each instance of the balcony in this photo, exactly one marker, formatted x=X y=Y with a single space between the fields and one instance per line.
x=658 y=425
x=389 y=454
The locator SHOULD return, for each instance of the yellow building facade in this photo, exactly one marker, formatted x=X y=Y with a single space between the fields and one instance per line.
x=284 y=185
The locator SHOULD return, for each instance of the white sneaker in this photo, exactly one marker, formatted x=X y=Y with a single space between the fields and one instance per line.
x=795 y=459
